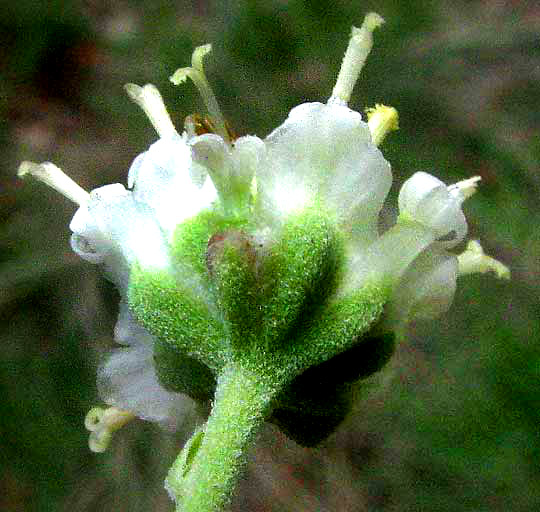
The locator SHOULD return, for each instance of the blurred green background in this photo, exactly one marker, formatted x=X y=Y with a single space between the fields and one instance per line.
x=456 y=426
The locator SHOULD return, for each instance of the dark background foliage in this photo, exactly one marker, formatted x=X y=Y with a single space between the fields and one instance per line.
x=456 y=425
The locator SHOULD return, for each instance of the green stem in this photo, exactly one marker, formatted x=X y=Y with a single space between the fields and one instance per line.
x=205 y=483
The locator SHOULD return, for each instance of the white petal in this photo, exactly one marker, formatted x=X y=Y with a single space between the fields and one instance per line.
x=135 y=168
x=324 y=152
x=111 y=228
x=128 y=380
x=427 y=288
x=388 y=258
x=247 y=154
x=229 y=166
x=210 y=151
x=427 y=200
x=162 y=180
x=416 y=188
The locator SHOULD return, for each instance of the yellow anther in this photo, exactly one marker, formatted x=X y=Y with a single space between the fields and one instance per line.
x=381 y=121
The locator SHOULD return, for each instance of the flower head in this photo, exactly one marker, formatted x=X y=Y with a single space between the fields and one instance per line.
x=243 y=249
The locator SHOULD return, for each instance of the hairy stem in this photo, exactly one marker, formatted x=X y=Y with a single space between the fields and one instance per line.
x=206 y=481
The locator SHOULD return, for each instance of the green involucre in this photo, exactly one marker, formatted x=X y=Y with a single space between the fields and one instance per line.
x=271 y=308
x=301 y=271
x=258 y=325
x=186 y=330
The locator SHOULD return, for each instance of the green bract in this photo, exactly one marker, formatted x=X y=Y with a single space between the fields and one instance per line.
x=253 y=274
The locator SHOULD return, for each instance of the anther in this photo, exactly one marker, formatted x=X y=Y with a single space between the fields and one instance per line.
x=381 y=121
x=466 y=188
x=196 y=74
x=473 y=260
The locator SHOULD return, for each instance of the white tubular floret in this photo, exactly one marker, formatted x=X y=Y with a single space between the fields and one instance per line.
x=150 y=100
x=53 y=176
x=127 y=378
x=357 y=52
x=324 y=153
x=473 y=260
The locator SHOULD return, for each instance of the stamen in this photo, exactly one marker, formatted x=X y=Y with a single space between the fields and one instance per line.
x=467 y=188
x=150 y=100
x=381 y=121
x=196 y=74
x=357 y=52
x=102 y=423
x=473 y=260
x=55 y=178
x=198 y=55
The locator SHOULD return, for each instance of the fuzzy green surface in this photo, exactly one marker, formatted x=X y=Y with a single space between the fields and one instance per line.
x=301 y=272
x=237 y=293
x=241 y=405
x=333 y=329
x=190 y=239
x=181 y=321
x=275 y=316
x=246 y=395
